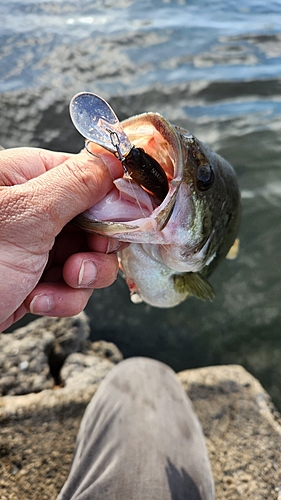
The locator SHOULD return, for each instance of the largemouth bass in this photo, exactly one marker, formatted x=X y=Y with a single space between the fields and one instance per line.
x=177 y=242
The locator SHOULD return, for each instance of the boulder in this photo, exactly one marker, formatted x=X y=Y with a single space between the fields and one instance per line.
x=24 y=365
x=81 y=370
x=32 y=356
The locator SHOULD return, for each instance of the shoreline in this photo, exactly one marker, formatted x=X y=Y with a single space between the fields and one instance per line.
x=38 y=430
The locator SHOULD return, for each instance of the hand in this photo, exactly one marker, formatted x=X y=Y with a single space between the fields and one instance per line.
x=48 y=266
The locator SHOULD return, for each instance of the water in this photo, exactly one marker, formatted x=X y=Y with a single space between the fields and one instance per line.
x=212 y=67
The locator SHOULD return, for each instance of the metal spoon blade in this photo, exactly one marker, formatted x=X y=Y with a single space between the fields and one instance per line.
x=96 y=121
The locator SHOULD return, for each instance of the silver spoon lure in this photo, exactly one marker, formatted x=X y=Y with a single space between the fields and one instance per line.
x=96 y=121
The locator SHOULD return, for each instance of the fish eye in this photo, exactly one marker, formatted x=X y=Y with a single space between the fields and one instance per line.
x=205 y=177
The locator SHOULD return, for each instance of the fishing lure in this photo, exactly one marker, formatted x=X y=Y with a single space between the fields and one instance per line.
x=96 y=121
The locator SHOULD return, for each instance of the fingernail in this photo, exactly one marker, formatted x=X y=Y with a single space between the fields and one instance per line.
x=87 y=274
x=113 y=246
x=41 y=304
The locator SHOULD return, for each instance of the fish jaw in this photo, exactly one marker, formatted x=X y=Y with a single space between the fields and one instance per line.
x=176 y=245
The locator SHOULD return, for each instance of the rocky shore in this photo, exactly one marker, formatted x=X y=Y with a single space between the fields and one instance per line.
x=49 y=372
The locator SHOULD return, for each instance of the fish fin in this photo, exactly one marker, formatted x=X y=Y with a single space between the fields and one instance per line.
x=233 y=252
x=194 y=284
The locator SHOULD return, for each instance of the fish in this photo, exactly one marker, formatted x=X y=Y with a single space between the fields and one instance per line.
x=176 y=242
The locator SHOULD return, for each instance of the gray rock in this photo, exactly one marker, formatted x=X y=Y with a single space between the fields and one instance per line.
x=81 y=370
x=31 y=357
x=107 y=350
x=71 y=334
x=24 y=365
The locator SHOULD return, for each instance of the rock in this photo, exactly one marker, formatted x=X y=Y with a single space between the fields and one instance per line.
x=31 y=357
x=81 y=370
x=24 y=365
x=107 y=350
x=70 y=335
x=242 y=430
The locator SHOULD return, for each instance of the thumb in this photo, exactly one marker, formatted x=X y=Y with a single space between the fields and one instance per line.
x=63 y=192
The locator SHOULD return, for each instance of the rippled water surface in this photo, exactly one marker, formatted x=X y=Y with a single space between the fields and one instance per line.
x=212 y=67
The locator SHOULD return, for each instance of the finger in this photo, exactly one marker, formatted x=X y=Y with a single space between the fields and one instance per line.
x=19 y=165
x=16 y=316
x=57 y=299
x=104 y=244
x=90 y=270
x=69 y=241
x=57 y=196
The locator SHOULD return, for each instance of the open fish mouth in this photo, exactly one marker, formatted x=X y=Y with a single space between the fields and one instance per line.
x=128 y=208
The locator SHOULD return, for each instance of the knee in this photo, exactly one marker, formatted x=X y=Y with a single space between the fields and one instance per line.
x=142 y=367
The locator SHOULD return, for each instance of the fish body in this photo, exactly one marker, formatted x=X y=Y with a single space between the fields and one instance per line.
x=178 y=242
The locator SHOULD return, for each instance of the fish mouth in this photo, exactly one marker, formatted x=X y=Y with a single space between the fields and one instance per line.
x=128 y=208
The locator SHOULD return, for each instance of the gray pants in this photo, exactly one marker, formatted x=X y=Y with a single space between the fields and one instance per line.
x=140 y=440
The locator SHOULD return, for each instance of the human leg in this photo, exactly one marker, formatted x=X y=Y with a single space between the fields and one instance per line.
x=140 y=440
